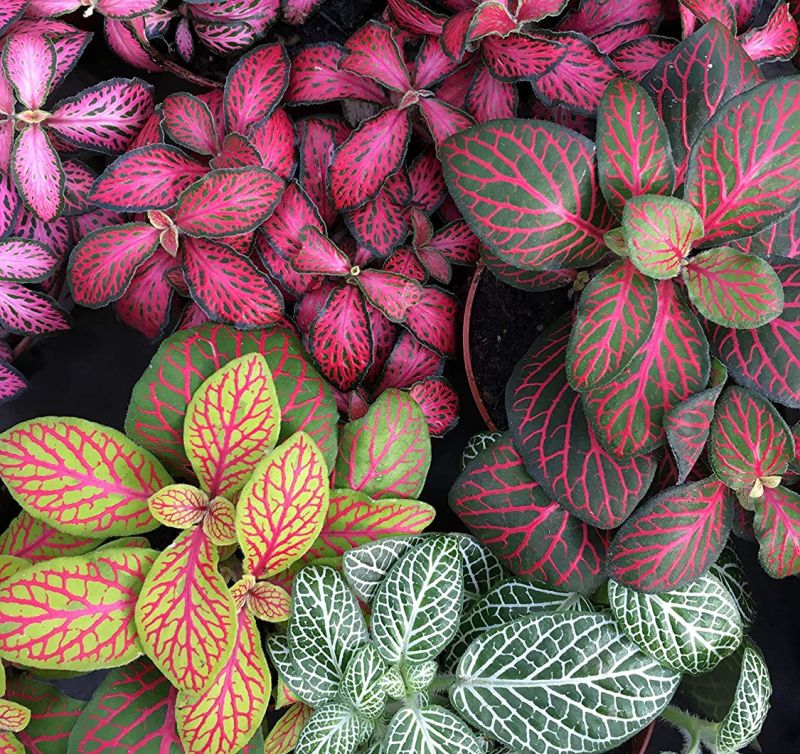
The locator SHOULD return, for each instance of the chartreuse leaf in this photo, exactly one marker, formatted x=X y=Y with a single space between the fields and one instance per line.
x=13 y=717
x=233 y=419
x=32 y=539
x=185 y=614
x=284 y=735
x=367 y=566
x=690 y=629
x=10 y=744
x=74 y=613
x=325 y=629
x=430 y=730
x=659 y=232
x=80 y=477
x=334 y=728
x=734 y=289
x=220 y=522
x=267 y=601
x=387 y=453
x=282 y=506
x=9 y=565
x=178 y=505
x=568 y=683
x=417 y=607
x=360 y=683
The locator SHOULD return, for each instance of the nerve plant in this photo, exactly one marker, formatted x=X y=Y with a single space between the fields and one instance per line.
x=251 y=428
x=697 y=184
x=457 y=657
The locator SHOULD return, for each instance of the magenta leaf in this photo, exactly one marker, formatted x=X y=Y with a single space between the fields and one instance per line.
x=78 y=180
x=428 y=190
x=297 y=12
x=11 y=11
x=274 y=140
x=284 y=227
x=673 y=538
x=105 y=117
x=392 y=294
x=146 y=178
x=597 y=17
x=317 y=144
x=431 y=64
x=146 y=304
x=10 y=202
x=414 y=16
x=706 y=10
x=37 y=172
x=777 y=529
x=443 y=120
x=439 y=402
x=29 y=62
x=373 y=52
x=409 y=362
x=528 y=191
x=489 y=98
x=25 y=261
x=379 y=224
x=318 y=255
x=236 y=152
x=434 y=320
x=635 y=59
x=188 y=122
x=12 y=382
x=519 y=57
x=510 y=513
x=776 y=40
x=610 y=40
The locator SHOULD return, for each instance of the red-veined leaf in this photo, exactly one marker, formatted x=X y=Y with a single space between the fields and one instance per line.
x=456 y=243
x=179 y=506
x=25 y=261
x=491 y=17
x=628 y=412
x=633 y=150
x=380 y=225
x=86 y=619
x=340 y=338
x=284 y=735
x=454 y=37
x=597 y=17
x=188 y=121
x=372 y=153
x=27 y=312
x=740 y=196
x=673 y=538
x=317 y=254
x=34 y=540
x=408 y=263
x=29 y=61
x=387 y=453
x=37 y=172
x=104 y=262
x=231 y=421
x=615 y=318
x=282 y=507
x=510 y=513
x=127 y=8
x=373 y=52
x=316 y=77
x=254 y=86
x=229 y=287
x=105 y=117
x=777 y=529
x=409 y=362
x=520 y=57
x=559 y=448
x=273 y=139
x=284 y=227
x=734 y=289
x=297 y=12
x=434 y=320
x=391 y=294
x=10 y=201
x=439 y=403
x=317 y=144
x=220 y=522
x=775 y=40
x=415 y=17
x=749 y=441
x=185 y=614
x=781 y=239
x=551 y=221
x=526 y=280
x=639 y=56
x=488 y=98
x=80 y=477
x=147 y=303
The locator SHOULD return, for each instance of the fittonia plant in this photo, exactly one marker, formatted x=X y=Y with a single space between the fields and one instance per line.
x=697 y=190
x=266 y=488
x=458 y=658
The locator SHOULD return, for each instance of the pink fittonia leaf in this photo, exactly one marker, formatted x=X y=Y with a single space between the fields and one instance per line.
x=488 y=98
x=673 y=538
x=340 y=339
x=104 y=117
x=608 y=41
x=439 y=402
x=297 y=12
x=373 y=153
x=37 y=172
x=254 y=86
x=124 y=42
x=615 y=318
x=78 y=180
x=236 y=152
x=10 y=202
x=633 y=151
x=185 y=614
x=12 y=382
x=431 y=64
x=406 y=262
x=739 y=196
x=318 y=255
x=27 y=312
x=227 y=714
x=456 y=243
x=34 y=540
x=560 y=449
x=354 y=518
x=734 y=289
x=443 y=120
x=391 y=294
x=80 y=477
x=706 y=10
x=284 y=227
x=25 y=261
x=105 y=261
x=596 y=16
x=10 y=12
x=229 y=287
x=659 y=232
x=188 y=121
x=428 y=190
x=274 y=140
x=317 y=143
x=146 y=178
x=231 y=421
x=777 y=529
x=416 y=18
x=387 y=453
x=283 y=737
x=749 y=443
x=373 y=52
x=380 y=225
x=133 y=708
x=178 y=505
x=282 y=507
x=29 y=61
x=227 y=202
x=776 y=40
x=146 y=304
x=454 y=37
x=627 y=414
x=639 y=56
x=510 y=513
x=519 y=57
x=160 y=398
x=86 y=619
x=434 y=320
x=409 y=362
x=551 y=221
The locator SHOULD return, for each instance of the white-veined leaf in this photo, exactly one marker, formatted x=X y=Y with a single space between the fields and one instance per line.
x=366 y=566
x=729 y=570
x=300 y=684
x=431 y=730
x=482 y=569
x=418 y=676
x=361 y=686
x=334 y=729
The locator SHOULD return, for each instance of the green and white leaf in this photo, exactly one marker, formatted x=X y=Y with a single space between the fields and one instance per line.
x=729 y=570
x=325 y=629
x=393 y=683
x=431 y=730
x=418 y=605
x=419 y=676
x=689 y=629
x=334 y=729
x=567 y=683
x=710 y=695
x=482 y=569
x=361 y=684
x=750 y=704
x=366 y=566
x=299 y=683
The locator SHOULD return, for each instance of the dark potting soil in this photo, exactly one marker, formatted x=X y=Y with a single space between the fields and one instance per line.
x=504 y=323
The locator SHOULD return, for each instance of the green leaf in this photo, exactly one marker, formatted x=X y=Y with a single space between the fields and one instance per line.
x=301 y=685
x=418 y=605
x=729 y=570
x=325 y=629
x=560 y=683
x=361 y=682
x=482 y=569
x=659 y=233
x=710 y=695
x=366 y=567
x=734 y=289
x=690 y=629
x=431 y=730
x=334 y=729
